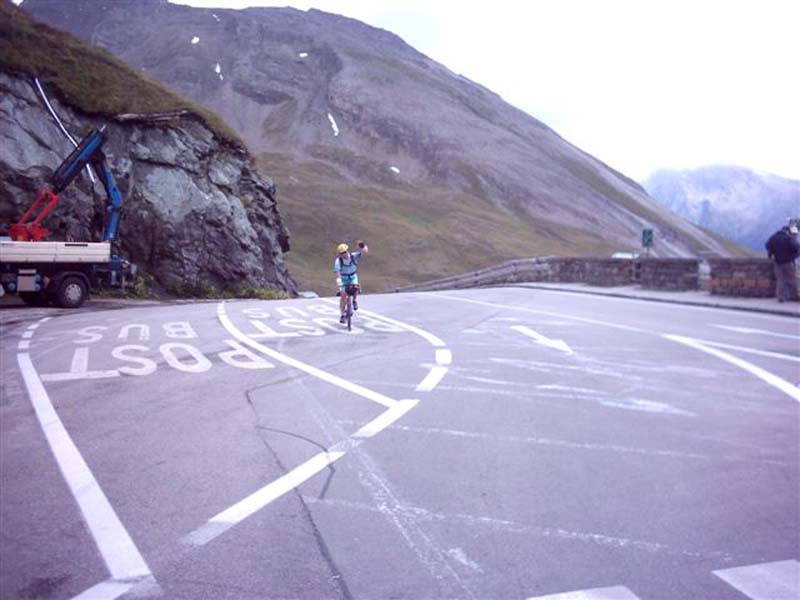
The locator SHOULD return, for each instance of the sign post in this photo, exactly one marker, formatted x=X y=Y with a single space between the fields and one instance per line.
x=647 y=240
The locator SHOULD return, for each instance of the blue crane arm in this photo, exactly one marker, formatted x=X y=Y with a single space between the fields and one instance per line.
x=113 y=198
x=90 y=151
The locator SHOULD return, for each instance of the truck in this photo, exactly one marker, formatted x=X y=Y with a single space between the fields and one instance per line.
x=64 y=273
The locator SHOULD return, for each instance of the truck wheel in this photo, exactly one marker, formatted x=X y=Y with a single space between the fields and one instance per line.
x=34 y=298
x=72 y=292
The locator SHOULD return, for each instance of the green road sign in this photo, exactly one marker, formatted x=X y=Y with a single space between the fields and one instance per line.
x=647 y=238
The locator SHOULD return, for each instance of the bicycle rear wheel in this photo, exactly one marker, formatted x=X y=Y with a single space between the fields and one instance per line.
x=349 y=313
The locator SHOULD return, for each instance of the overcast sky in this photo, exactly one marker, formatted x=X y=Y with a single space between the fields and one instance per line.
x=640 y=84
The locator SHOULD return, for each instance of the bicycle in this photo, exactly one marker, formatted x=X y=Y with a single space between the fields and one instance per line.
x=350 y=289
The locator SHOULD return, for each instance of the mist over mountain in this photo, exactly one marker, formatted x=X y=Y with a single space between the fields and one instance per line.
x=740 y=204
x=366 y=137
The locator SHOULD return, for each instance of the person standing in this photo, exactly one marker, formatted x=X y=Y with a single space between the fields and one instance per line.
x=782 y=249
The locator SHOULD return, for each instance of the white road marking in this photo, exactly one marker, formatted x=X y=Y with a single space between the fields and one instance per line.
x=543 y=340
x=49 y=377
x=27 y=334
x=750 y=350
x=79 y=369
x=460 y=556
x=399 y=515
x=416 y=514
x=24 y=345
x=608 y=593
x=669 y=306
x=110 y=589
x=444 y=357
x=650 y=406
x=540 y=312
x=118 y=550
x=495 y=381
x=758 y=332
x=230 y=517
x=773 y=380
x=259 y=499
x=567 y=388
x=296 y=364
x=512 y=439
x=768 y=581
x=432 y=379
x=435 y=341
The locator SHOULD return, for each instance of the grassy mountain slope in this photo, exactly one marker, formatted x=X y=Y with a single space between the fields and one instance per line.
x=88 y=77
x=415 y=233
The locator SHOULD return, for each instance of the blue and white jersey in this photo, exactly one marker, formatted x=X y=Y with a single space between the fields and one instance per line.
x=347 y=268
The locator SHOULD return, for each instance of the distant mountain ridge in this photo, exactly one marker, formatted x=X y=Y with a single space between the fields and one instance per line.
x=740 y=204
x=365 y=136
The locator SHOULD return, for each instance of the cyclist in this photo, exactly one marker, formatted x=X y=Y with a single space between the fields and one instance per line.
x=346 y=267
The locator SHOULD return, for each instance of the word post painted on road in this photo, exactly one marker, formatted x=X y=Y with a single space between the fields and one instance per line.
x=141 y=349
x=140 y=359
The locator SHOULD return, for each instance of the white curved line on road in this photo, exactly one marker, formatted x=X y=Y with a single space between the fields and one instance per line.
x=427 y=335
x=773 y=380
x=120 y=554
x=444 y=356
x=296 y=364
x=777 y=355
x=751 y=331
x=432 y=379
x=228 y=518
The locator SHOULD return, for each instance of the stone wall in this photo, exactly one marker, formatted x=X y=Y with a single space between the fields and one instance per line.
x=594 y=271
x=750 y=277
x=676 y=274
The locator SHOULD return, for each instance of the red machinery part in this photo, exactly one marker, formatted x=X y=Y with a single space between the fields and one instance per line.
x=34 y=232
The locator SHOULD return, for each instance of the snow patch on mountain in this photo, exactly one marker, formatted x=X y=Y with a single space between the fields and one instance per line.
x=334 y=126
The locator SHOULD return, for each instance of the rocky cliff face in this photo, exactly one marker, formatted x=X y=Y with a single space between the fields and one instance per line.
x=743 y=206
x=195 y=212
x=319 y=86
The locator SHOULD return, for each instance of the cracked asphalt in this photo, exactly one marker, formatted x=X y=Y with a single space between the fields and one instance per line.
x=525 y=467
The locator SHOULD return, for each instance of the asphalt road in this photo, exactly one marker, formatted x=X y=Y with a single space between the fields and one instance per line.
x=499 y=443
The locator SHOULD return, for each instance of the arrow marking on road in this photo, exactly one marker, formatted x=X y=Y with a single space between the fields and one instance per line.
x=542 y=340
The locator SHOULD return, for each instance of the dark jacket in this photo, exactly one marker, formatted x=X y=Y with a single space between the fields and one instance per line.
x=782 y=247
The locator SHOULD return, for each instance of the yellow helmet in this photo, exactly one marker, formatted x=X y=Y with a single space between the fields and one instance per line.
x=342 y=248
